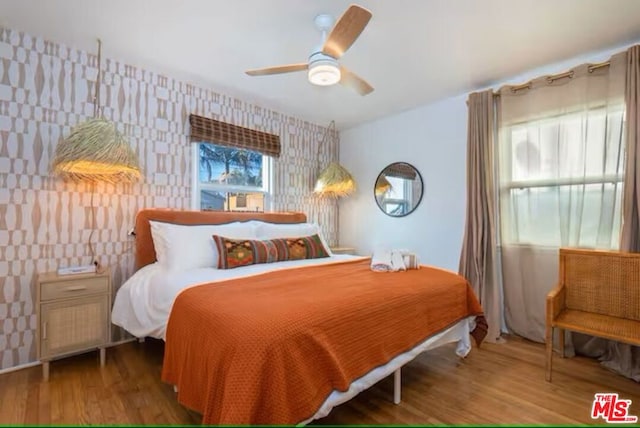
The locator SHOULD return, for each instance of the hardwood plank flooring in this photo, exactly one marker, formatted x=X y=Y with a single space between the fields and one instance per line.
x=496 y=384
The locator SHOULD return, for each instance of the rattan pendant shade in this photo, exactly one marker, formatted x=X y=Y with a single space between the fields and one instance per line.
x=96 y=151
x=334 y=180
x=382 y=186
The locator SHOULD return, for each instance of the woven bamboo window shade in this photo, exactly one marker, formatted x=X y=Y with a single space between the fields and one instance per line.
x=205 y=130
x=400 y=170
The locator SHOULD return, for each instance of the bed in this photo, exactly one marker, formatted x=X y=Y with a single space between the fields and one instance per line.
x=285 y=342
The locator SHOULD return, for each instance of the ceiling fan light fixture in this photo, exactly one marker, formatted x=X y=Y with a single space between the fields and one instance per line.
x=322 y=66
x=324 y=73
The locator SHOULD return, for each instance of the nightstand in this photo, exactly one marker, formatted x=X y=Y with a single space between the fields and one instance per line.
x=74 y=315
x=343 y=250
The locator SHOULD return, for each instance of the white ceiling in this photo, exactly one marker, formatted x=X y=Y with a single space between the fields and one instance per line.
x=413 y=51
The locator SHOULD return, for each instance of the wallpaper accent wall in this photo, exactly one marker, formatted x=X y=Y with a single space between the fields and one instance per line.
x=45 y=89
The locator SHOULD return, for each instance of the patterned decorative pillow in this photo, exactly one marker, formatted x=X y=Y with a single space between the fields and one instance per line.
x=234 y=253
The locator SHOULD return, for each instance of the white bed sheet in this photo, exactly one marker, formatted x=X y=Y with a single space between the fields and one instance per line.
x=459 y=332
x=143 y=303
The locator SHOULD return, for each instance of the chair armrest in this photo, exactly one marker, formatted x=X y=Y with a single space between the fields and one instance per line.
x=555 y=302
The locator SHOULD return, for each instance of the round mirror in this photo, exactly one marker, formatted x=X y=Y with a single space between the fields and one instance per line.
x=398 y=189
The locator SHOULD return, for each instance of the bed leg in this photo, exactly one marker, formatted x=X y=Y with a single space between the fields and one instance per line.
x=397 y=386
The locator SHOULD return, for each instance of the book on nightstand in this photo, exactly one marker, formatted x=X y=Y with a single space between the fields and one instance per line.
x=71 y=270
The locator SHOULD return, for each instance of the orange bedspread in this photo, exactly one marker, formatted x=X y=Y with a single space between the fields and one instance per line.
x=270 y=348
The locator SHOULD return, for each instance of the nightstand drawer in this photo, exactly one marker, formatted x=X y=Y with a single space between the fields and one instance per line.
x=73 y=288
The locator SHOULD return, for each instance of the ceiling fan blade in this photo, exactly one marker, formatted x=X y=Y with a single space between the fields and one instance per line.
x=354 y=81
x=346 y=31
x=277 y=70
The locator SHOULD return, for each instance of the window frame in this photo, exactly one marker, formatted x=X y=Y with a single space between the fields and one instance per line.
x=506 y=185
x=510 y=184
x=197 y=187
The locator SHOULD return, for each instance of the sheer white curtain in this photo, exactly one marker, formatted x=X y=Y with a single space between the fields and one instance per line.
x=560 y=162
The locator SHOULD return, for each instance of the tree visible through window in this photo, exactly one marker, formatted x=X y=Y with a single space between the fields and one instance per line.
x=230 y=179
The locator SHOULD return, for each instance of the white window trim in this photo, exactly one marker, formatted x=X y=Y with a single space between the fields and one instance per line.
x=408 y=192
x=197 y=187
x=559 y=182
x=507 y=185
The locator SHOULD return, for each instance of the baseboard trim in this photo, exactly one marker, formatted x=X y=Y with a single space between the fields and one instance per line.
x=37 y=363
x=20 y=367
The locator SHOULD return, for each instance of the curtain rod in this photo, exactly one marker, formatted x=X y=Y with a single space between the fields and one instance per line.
x=552 y=78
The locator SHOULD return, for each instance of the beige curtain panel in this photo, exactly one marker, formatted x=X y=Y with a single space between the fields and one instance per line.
x=478 y=257
x=622 y=357
x=631 y=212
x=207 y=130
x=586 y=86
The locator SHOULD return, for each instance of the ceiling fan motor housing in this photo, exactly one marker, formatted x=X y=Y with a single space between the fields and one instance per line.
x=323 y=69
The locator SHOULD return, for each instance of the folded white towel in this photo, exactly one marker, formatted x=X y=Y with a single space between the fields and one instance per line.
x=381 y=261
x=387 y=261
x=410 y=260
x=397 y=261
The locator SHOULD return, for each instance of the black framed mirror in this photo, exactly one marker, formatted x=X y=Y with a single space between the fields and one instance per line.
x=398 y=189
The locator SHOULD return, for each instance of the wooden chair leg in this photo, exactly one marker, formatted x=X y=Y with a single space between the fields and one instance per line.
x=45 y=371
x=561 y=341
x=549 y=349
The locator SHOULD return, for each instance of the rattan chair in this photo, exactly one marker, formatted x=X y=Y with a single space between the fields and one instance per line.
x=598 y=293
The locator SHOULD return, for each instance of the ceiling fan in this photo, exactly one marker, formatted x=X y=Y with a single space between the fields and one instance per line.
x=323 y=67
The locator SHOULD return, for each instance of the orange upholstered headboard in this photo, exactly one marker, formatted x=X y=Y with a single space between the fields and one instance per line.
x=146 y=254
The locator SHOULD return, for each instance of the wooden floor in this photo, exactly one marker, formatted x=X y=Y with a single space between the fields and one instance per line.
x=495 y=384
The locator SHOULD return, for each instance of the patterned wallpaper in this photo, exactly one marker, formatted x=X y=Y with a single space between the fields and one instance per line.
x=45 y=89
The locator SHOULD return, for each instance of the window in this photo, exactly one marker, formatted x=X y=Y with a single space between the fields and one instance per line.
x=230 y=179
x=561 y=180
x=398 y=198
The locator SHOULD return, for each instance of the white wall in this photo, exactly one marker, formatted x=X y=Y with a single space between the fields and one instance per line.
x=431 y=138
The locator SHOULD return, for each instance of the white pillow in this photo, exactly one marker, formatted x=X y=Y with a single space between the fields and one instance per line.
x=294 y=230
x=185 y=247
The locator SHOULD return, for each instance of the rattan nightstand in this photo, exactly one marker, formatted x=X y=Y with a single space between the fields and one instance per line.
x=74 y=315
